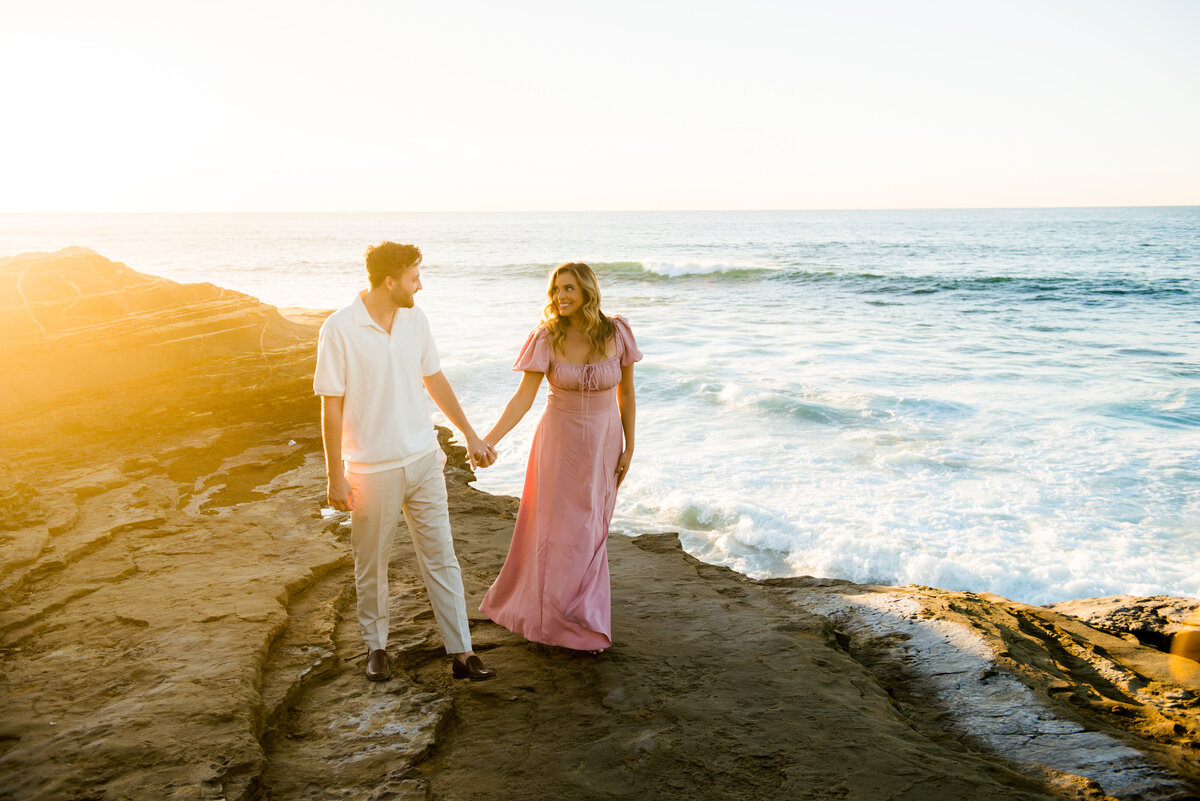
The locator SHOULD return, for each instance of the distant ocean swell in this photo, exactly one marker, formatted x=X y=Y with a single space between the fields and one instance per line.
x=651 y=271
x=1039 y=287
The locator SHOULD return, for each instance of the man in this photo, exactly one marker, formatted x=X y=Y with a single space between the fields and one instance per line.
x=381 y=451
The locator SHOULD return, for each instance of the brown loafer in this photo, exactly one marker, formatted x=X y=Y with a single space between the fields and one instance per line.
x=378 y=668
x=472 y=669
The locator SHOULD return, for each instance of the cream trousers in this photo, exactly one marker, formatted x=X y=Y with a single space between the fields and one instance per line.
x=418 y=490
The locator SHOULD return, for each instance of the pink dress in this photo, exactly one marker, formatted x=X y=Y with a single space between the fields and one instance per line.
x=553 y=587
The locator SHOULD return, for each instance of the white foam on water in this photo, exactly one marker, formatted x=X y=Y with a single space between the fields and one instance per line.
x=1039 y=445
x=705 y=267
x=962 y=504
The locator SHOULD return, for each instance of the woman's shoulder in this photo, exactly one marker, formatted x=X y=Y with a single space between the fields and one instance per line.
x=538 y=334
x=626 y=344
x=535 y=353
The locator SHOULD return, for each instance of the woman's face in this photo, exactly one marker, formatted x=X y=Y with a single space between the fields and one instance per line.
x=566 y=294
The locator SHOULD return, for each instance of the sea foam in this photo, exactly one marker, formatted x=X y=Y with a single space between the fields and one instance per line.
x=990 y=401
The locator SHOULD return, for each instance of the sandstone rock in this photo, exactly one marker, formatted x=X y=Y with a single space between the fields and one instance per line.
x=74 y=322
x=1153 y=620
x=177 y=617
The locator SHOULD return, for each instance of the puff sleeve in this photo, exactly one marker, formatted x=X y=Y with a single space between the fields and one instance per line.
x=627 y=348
x=535 y=353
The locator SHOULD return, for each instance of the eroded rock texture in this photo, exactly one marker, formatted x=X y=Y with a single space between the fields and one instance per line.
x=176 y=617
x=1154 y=621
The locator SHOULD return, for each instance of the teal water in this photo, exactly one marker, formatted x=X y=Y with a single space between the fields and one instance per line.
x=992 y=400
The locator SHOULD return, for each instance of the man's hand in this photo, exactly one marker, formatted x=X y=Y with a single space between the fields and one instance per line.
x=480 y=453
x=339 y=494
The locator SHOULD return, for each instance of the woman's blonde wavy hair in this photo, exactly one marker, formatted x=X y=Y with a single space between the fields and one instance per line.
x=596 y=326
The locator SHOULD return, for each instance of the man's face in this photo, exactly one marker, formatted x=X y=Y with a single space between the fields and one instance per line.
x=402 y=286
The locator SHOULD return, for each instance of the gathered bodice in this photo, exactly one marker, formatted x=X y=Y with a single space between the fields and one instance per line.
x=583 y=388
x=584 y=377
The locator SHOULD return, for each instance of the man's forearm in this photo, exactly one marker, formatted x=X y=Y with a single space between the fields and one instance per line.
x=339 y=493
x=331 y=435
x=443 y=395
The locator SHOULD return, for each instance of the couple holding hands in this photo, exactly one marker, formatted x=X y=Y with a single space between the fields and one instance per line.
x=376 y=359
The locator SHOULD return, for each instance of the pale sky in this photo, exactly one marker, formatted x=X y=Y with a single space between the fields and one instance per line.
x=367 y=105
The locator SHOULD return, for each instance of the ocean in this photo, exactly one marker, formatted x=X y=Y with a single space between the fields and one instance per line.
x=1001 y=401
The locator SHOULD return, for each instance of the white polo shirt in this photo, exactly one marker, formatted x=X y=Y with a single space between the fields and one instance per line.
x=385 y=420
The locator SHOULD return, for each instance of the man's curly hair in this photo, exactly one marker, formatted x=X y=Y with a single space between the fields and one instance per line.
x=390 y=258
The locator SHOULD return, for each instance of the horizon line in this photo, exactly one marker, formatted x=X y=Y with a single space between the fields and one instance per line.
x=629 y=210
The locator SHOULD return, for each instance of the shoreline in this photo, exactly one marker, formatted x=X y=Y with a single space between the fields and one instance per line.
x=167 y=570
x=915 y=469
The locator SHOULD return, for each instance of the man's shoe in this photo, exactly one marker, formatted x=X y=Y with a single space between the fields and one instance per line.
x=472 y=669
x=378 y=668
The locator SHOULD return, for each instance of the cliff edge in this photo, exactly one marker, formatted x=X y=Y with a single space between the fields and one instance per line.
x=177 y=622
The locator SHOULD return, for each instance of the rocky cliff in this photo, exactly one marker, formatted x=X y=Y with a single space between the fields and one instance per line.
x=176 y=617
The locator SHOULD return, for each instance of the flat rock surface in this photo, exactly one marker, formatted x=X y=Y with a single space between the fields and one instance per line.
x=177 y=622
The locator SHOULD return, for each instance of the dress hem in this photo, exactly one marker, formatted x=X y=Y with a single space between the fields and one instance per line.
x=542 y=641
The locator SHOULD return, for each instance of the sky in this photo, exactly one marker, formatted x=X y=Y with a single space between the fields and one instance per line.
x=367 y=105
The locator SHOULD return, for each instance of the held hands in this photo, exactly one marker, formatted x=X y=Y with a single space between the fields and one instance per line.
x=623 y=465
x=480 y=453
x=340 y=494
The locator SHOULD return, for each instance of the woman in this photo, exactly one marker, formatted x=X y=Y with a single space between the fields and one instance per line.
x=553 y=588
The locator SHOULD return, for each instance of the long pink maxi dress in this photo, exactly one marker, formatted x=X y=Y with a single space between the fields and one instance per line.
x=553 y=587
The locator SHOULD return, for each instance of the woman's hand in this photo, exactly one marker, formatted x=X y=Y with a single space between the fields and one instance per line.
x=623 y=465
